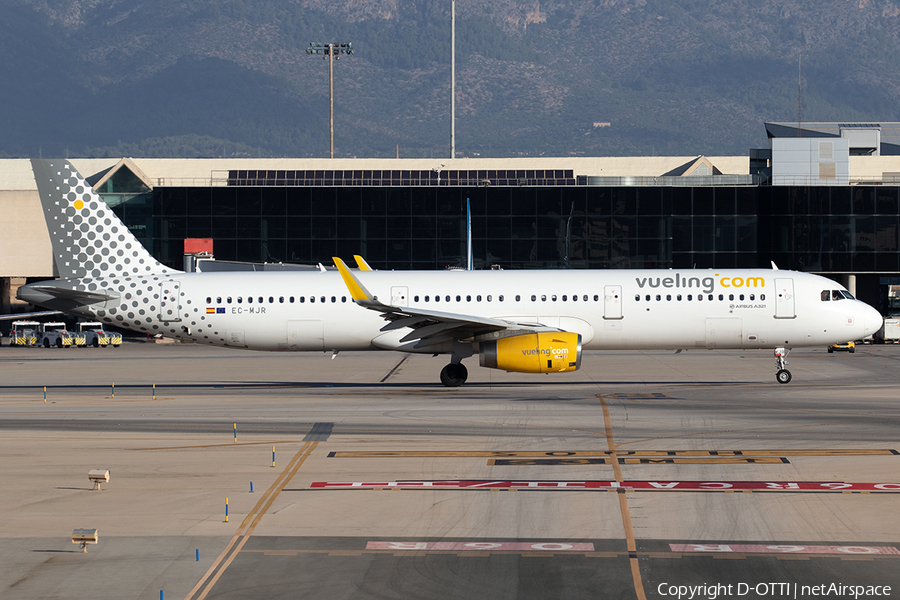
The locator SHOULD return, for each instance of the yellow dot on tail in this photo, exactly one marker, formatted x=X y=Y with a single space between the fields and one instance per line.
x=79 y=205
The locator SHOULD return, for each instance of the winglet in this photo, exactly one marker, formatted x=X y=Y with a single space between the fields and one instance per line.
x=357 y=291
x=361 y=263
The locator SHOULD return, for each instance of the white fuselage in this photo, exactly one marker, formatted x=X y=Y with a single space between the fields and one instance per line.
x=613 y=309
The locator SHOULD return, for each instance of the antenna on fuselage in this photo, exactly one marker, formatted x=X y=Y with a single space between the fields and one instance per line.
x=774 y=266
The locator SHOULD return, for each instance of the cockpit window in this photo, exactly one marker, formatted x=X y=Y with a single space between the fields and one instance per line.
x=837 y=295
x=847 y=295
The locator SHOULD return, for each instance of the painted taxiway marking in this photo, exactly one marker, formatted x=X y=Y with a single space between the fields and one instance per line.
x=248 y=525
x=620 y=453
x=786 y=549
x=637 y=460
x=620 y=486
x=481 y=546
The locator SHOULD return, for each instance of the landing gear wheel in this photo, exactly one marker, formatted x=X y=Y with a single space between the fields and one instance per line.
x=454 y=375
x=783 y=376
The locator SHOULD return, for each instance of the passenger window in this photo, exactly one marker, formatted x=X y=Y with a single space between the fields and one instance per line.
x=678 y=297
x=637 y=297
x=322 y=299
x=291 y=300
x=228 y=300
x=312 y=299
x=333 y=299
x=741 y=297
x=447 y=298
x=281 y=299
x=721 y=296
x=489 y=298
x=762 y=296
x=574 y=297
x=648 y=297
x=553 y=297
x=700 y=297
x=711 y=297
x=219 y=300
x=731 y=296
x=271 y=300
x=826 y=295
x=658 y=297
x=478 y=298
x=343 y=298
x=518 y=298
x=584 y=298
x=752 y=296
x=668 y=297
x=437 y=298
x=543 y=298
x=690 y=297
x=500 y=298
x=459 y=298
x=533 y=298
x=240 y=300
x=426 y=298
x=302 y=299
x=564 y=298
x=596 y=297
x=415 y=298
x=208 y=300
x=468 y=298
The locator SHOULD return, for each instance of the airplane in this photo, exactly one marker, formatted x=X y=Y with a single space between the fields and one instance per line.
x=528 y=321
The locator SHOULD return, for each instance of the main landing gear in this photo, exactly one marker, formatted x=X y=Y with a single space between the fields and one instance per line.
x=782 y=375
x=454 y=375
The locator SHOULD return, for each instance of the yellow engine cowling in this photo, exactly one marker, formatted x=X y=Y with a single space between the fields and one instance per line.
x=544 y=352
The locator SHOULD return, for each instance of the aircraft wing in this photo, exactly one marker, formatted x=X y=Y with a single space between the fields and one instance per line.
x=428 y=326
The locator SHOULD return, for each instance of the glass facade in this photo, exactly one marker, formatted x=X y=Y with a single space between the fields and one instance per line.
x=822 y=229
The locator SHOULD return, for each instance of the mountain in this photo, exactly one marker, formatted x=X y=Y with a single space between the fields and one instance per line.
x=534 y=78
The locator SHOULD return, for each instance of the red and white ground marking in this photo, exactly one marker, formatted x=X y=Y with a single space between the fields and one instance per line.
x=482 y=546
x=785 y=549
x=755 y=486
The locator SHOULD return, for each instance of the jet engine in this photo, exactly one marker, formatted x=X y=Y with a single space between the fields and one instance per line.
x=543 y=352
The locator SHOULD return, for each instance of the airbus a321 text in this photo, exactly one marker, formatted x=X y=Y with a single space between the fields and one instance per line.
x=521 y=321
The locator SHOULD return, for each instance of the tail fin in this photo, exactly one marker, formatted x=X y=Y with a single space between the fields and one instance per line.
x=88 y=239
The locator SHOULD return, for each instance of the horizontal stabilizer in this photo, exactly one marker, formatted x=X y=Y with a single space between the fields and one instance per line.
x=41 y=294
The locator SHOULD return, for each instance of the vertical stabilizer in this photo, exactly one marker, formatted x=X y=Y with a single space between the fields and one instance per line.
x=89 y=241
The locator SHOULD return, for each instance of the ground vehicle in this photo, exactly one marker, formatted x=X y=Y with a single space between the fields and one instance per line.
x=56 y=334
x=91 y=333
x=24 y=333
x=890 y=331
x=849 y=346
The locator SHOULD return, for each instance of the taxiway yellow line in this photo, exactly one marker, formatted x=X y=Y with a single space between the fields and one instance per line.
x=630 y=542
x=249 y=523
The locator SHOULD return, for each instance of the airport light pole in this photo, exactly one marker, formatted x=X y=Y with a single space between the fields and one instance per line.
x=330 y=52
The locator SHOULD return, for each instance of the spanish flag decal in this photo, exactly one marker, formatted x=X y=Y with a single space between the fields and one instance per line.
x=210 y=310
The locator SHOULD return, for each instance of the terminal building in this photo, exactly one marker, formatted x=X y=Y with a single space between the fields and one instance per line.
x=822 y=198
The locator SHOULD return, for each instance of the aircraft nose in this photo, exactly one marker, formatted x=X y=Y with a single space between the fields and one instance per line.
x=872 y=320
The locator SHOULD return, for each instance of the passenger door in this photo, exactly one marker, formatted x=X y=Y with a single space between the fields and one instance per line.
x=784 y=300
x=170 y=301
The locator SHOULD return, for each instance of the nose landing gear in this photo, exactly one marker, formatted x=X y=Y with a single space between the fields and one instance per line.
x=782 y=375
